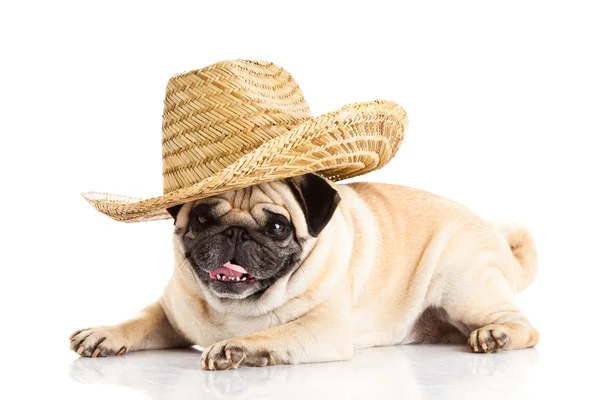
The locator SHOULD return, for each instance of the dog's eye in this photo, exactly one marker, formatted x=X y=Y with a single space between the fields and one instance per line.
x=277 y=228
x=202 y=215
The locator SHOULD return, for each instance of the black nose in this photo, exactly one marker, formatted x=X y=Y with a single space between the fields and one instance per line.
x=236 y=234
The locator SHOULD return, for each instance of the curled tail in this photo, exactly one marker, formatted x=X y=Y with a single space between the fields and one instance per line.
x=523 y=248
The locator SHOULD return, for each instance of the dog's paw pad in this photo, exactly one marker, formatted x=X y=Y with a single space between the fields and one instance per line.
x=222 y=355
x=98 y=342
x=488 y=339
x=231 y=355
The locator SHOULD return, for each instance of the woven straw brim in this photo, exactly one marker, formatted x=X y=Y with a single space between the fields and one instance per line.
x=351 y=141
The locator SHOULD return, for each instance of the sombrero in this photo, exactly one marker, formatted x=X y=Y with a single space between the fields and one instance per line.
x=239 y=123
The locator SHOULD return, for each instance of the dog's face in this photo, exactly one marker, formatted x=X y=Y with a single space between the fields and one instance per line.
x=241 y=242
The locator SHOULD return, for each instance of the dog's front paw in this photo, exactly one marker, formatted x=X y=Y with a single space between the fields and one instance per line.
x=231 y=354
x=98 y=342
x=489 y=339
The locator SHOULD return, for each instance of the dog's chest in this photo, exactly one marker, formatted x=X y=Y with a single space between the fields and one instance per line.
x=231 y=326
x=206 y=327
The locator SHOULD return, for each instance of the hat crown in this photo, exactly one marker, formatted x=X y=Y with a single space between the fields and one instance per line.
x=215 y=115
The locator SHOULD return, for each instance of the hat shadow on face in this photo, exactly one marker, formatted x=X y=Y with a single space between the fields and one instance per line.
x=405 y=371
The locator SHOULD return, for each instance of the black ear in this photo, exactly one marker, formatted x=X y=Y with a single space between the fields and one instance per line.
x=317 y=199
x=174 y=211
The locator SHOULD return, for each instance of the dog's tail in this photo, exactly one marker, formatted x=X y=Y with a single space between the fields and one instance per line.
x=523 y=249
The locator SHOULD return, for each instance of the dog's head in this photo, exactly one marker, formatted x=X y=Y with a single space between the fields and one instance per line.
x=241 y=242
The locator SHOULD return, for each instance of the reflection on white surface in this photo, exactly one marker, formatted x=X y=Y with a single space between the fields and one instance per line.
x=384 y=372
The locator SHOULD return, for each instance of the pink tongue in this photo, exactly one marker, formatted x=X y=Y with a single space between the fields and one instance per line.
x=228 y=269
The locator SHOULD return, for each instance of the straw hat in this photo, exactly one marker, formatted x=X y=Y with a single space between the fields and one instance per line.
x=239 y=123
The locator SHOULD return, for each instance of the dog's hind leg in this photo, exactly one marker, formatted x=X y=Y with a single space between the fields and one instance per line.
x=483 y=307
x=150 y=329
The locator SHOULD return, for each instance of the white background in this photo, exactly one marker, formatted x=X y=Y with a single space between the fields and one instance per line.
x=503 y=102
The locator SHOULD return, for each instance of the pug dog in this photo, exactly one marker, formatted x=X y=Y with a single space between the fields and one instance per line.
x=305 y=270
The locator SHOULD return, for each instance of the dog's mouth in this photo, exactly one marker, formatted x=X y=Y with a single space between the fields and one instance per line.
x=231 y=272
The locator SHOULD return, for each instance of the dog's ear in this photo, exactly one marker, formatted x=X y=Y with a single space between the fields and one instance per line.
x=317 y=199
x=174 y=211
